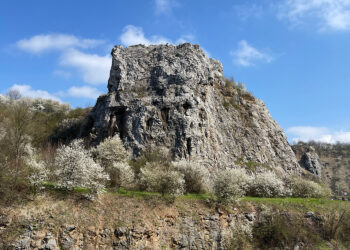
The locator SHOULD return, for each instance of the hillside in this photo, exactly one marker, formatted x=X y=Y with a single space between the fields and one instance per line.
x=335 y=163
x=140 y=221
x=173 y=156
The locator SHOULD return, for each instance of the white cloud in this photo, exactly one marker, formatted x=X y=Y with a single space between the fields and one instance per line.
x=62 y=73
x=45 y=42
x=185 y=39
x=319 y=134
x=84 y=92
x=134 y=35
x=28 y=91
x=246 y=55
x=93 y=68
x=165 y=6
x=330 y=14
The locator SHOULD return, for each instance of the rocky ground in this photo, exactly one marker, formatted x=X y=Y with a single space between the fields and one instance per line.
x=55 y=221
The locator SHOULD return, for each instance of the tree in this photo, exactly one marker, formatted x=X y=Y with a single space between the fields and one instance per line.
x=15 y=142
x=14 y=94
x=76 y=168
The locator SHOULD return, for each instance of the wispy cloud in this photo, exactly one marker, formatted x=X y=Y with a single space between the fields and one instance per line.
x=28 y=91
x=165 y=6
x=319 y=134
x=246 y=55
x=62 y=73
x=84 y=92
x=45 y=42
x=134 y=35
x=94 y=69
x=246 y=11
x=329 y=14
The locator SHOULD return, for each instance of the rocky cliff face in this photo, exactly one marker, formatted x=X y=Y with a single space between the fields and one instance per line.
x=332 y=159
x=176 y=97
x=309 y=159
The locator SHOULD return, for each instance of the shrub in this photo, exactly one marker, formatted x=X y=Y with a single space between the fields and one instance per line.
x=196 y=176
x=267 y=184
x=113 y=157
x=157 y=178
x=38 y=173
x=76 y=168
x=121 y=175
x=230 y=184
x=158 y=156
x=279 y=230
x=110 y=151
x=306 y=189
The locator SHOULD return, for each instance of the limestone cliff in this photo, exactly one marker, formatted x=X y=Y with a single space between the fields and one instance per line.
x=176 y=97
x=332 y=159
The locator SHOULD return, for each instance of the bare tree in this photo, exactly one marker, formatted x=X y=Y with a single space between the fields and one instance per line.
x=14 y=94
x=16 y=139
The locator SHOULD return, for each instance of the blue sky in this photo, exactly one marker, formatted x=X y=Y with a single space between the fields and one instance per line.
x=292 y=54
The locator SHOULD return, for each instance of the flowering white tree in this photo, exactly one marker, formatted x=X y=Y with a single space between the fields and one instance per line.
x=166 y=180
x=267 y=184
x=300 y=187
x=195 y=174
x=38 y=173
x=231 y=184
x=113 y=157
x=122 y=175
x=109 y=151
x=76 y=168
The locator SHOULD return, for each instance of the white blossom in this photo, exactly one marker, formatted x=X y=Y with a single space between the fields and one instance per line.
x=76 y=168
x=231 y=184
x=197 y=176
x=267 y=184
x=122 y=174
x=166 y=180
x=306 y=189
x=109 y=151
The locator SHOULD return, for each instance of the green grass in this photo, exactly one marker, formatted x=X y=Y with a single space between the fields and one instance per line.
x=196 y=196
x=304 y=204
x=299 y=204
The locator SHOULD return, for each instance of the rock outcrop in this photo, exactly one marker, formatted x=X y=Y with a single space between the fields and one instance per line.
x=310 y=161
x=330 y=161
x=176 y=97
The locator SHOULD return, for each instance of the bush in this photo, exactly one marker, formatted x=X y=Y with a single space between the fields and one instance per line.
x=121 y=175
x=110 y=151
x=278 y=230
x=230 y=184
x=196 y=176
x=267 y=184
x=158 y=178
x=113 y=157
x=38 y=172
x=76 y=168
x=307 y=189
x=158 y=156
